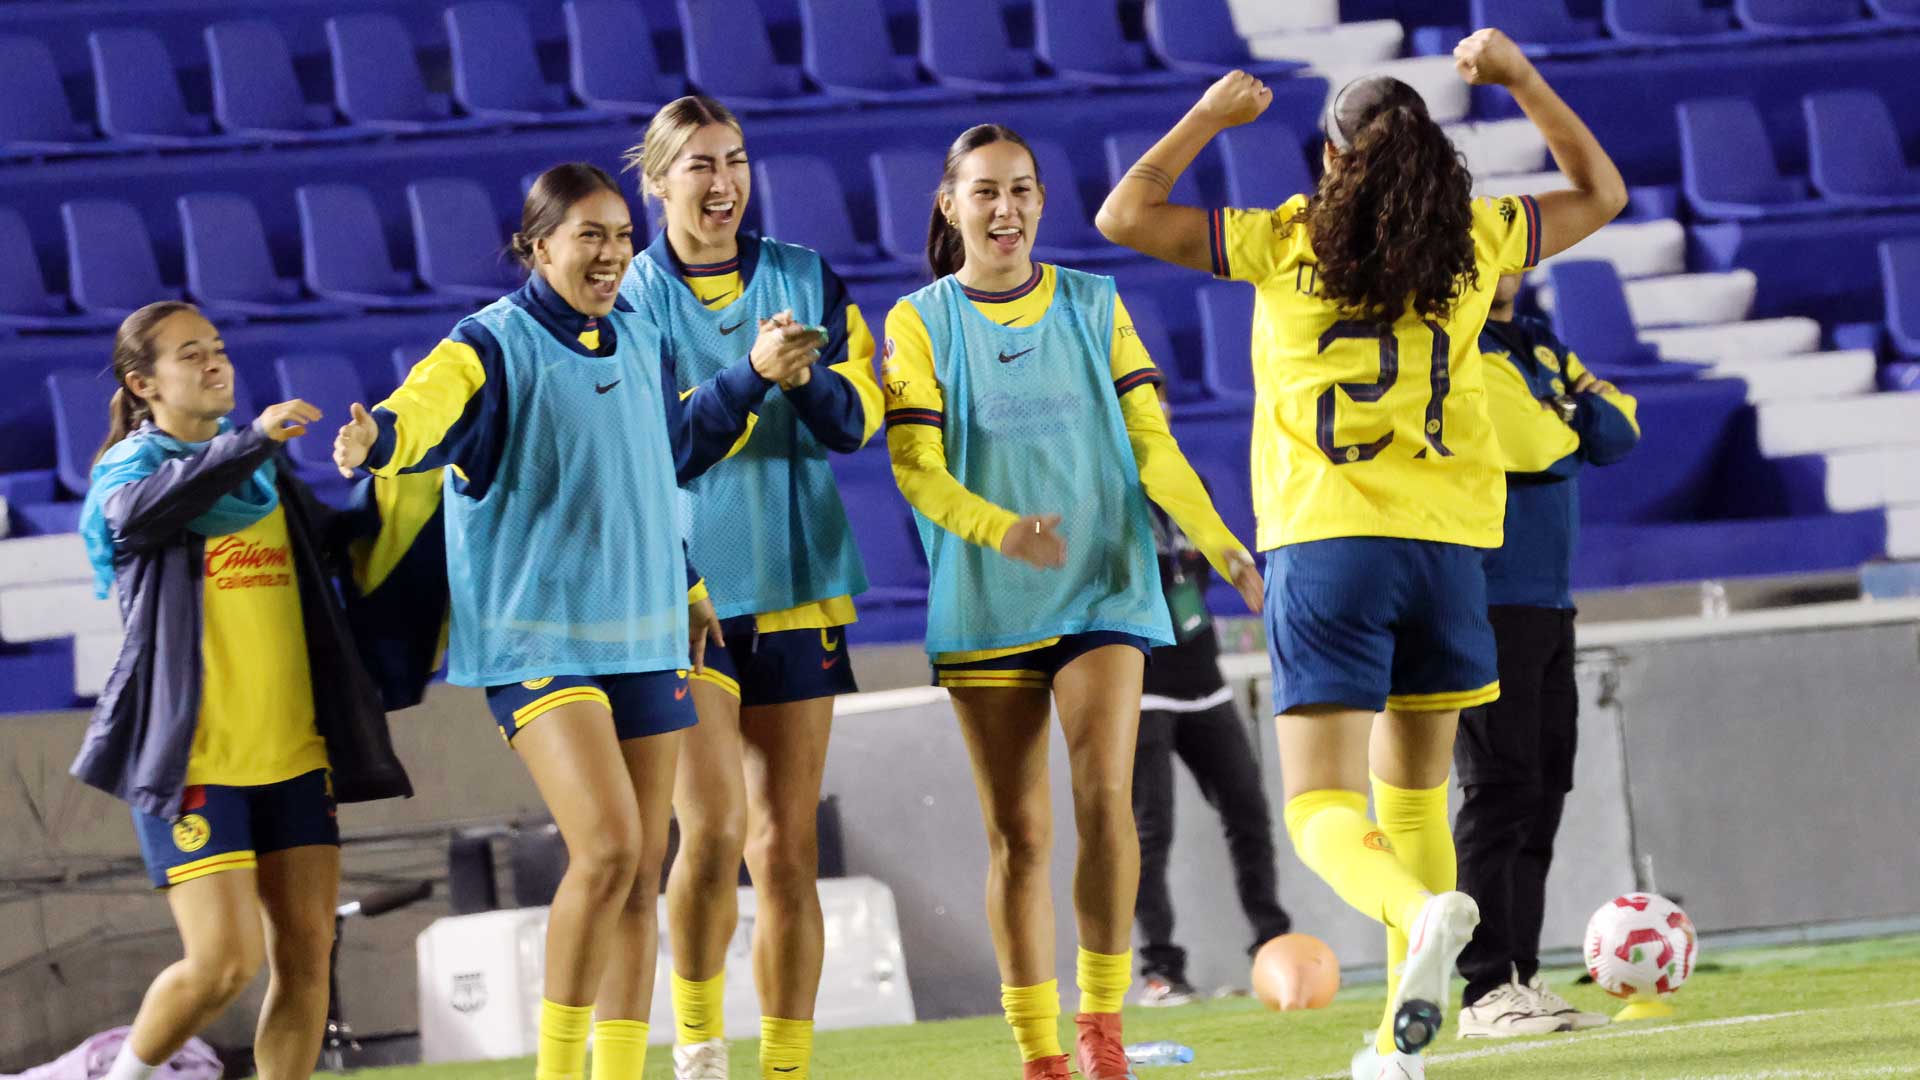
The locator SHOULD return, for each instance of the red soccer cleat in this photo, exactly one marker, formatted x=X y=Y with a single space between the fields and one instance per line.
x=1102 y=1055
x=1048 y=1068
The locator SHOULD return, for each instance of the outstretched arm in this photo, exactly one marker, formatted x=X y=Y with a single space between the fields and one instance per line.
x=1136 y=213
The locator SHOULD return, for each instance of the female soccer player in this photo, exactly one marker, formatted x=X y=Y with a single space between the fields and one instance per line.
x=1376 y=474
x=769 y=531
x=557 y=412
x=238 y=710
x=1023 y=421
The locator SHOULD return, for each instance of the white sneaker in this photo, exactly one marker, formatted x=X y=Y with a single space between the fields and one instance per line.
x=1370 y=1064
x=1434 y=943
x=1508 y=1010
x=1554 y=1004
x=701 y=1060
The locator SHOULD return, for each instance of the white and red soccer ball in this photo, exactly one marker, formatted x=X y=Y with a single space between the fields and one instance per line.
x=1640 y=946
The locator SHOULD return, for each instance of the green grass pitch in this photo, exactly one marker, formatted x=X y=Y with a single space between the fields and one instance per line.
x=1796 y=1013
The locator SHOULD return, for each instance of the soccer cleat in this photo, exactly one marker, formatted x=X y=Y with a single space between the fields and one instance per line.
x=1048 y=1068
x=1434 y=942
x=1164 y=993
x=1505 y=1011
x=701 y=1060
x=1370 y=1064
x=1102 y=1055
x=1555 y=1005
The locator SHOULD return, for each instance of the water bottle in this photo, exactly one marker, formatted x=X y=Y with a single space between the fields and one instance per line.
x=1163 y=1052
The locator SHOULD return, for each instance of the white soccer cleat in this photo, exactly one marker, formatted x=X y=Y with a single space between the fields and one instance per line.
x=1370 y=1064
x=701 y=1061
x=1508 y=1010
x=1434 y=943
x=1555 y=1005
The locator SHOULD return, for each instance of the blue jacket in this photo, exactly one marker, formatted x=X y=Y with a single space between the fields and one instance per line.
x=1527 y=368
x=137 y=745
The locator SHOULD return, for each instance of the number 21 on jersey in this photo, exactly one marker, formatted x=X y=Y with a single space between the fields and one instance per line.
x=1326 y=408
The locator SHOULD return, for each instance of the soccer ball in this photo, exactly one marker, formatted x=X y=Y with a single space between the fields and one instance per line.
x=1640 y=946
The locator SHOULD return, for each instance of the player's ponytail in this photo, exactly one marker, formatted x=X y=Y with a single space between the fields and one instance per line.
x=1392 y=221
x=133 y=354
x=550 y=198
x=946 y=248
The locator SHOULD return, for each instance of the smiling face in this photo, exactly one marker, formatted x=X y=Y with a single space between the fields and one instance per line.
x=584 y=258
x=995 y=202
x=705 y=190
x=191 y=384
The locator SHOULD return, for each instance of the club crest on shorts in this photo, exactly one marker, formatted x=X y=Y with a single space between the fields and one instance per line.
x=191 y=833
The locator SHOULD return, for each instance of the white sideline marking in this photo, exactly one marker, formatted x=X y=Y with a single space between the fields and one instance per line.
x=1638 y=1033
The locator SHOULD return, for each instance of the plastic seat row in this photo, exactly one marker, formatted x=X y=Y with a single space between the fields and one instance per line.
x=1547 y=28
x=615 y=72
x=229 y=269
x=1854 y=153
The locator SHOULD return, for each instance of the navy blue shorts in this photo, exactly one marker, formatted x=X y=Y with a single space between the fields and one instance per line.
x=643 y=703
x=778 y=667
x=1035 y=668
x=226 y=828
x=1373 y=622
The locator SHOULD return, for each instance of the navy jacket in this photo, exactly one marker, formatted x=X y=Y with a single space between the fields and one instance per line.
x=137 y=745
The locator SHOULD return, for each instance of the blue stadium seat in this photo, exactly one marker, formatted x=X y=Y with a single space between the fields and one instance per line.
x=1219 y=446
x=1590 y=314
x=1226 y=335
x=1198 y=36
x=1854 y=151
x=966 y=46
x=403 y=357
x=138 y=95
x=345 y=254
x=611 y=58
x=80 y=401
x=1081 y=40
x=903 y=185
x=496 y=70
x=730 y=56
x=255 y=90
x=1123 y=148
x=457 y=240
x=230 y=268
x=801 y=202
x=1542 y=27
x=1150 y=323
x=1067 y=234
x=1668 y=22
x=1903 y=12
x=1263 y=165
x=25 y=303
x=377 y=81
x=110 y=263
x=1727 y=167
x=1900 y=283
x=884 y=530
x=35 y=118
x=1800 y=16
x=845 y=50
x=329 y=383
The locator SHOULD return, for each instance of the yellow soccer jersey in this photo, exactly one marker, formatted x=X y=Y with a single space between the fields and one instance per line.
x=1363 y=428
x=256 y=690
x=916 y=413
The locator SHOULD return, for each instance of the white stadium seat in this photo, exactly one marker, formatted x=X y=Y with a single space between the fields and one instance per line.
x=1903 y=532
x=1533 y=183
x=1868 y=479
x=1500 y=147
x=1447 y=97
x=45 y=612
x=1635 y=248
x=1253 y=18
x=1683 y=299
x=39 y=560
x=93 y=657
x=1844 y=373
x=1853 y=423
x=1736 y=341
x=1370 y=42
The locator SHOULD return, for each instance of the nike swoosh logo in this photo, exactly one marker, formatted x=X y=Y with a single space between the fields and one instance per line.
x=828 y=663
x=790 y=1068
x=735 y=326
x=1008 y=359
x=598 y=389
x=679 y=692
x=1013 y=320
x=714 y=298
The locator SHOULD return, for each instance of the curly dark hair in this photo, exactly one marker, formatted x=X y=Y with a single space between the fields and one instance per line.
x=1392 y=222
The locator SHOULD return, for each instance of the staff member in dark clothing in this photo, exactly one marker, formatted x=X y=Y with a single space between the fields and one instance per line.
x=1186 y=708
x=1514 y=757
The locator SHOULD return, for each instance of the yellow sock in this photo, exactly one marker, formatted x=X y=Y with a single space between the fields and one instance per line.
x=1332 y=835
x=1104 y=979
x=619 y=1049
x=699 y=1009
x=1415 y=821
x=1034 y=1014
x=563 y=1041
x=786 y=1048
